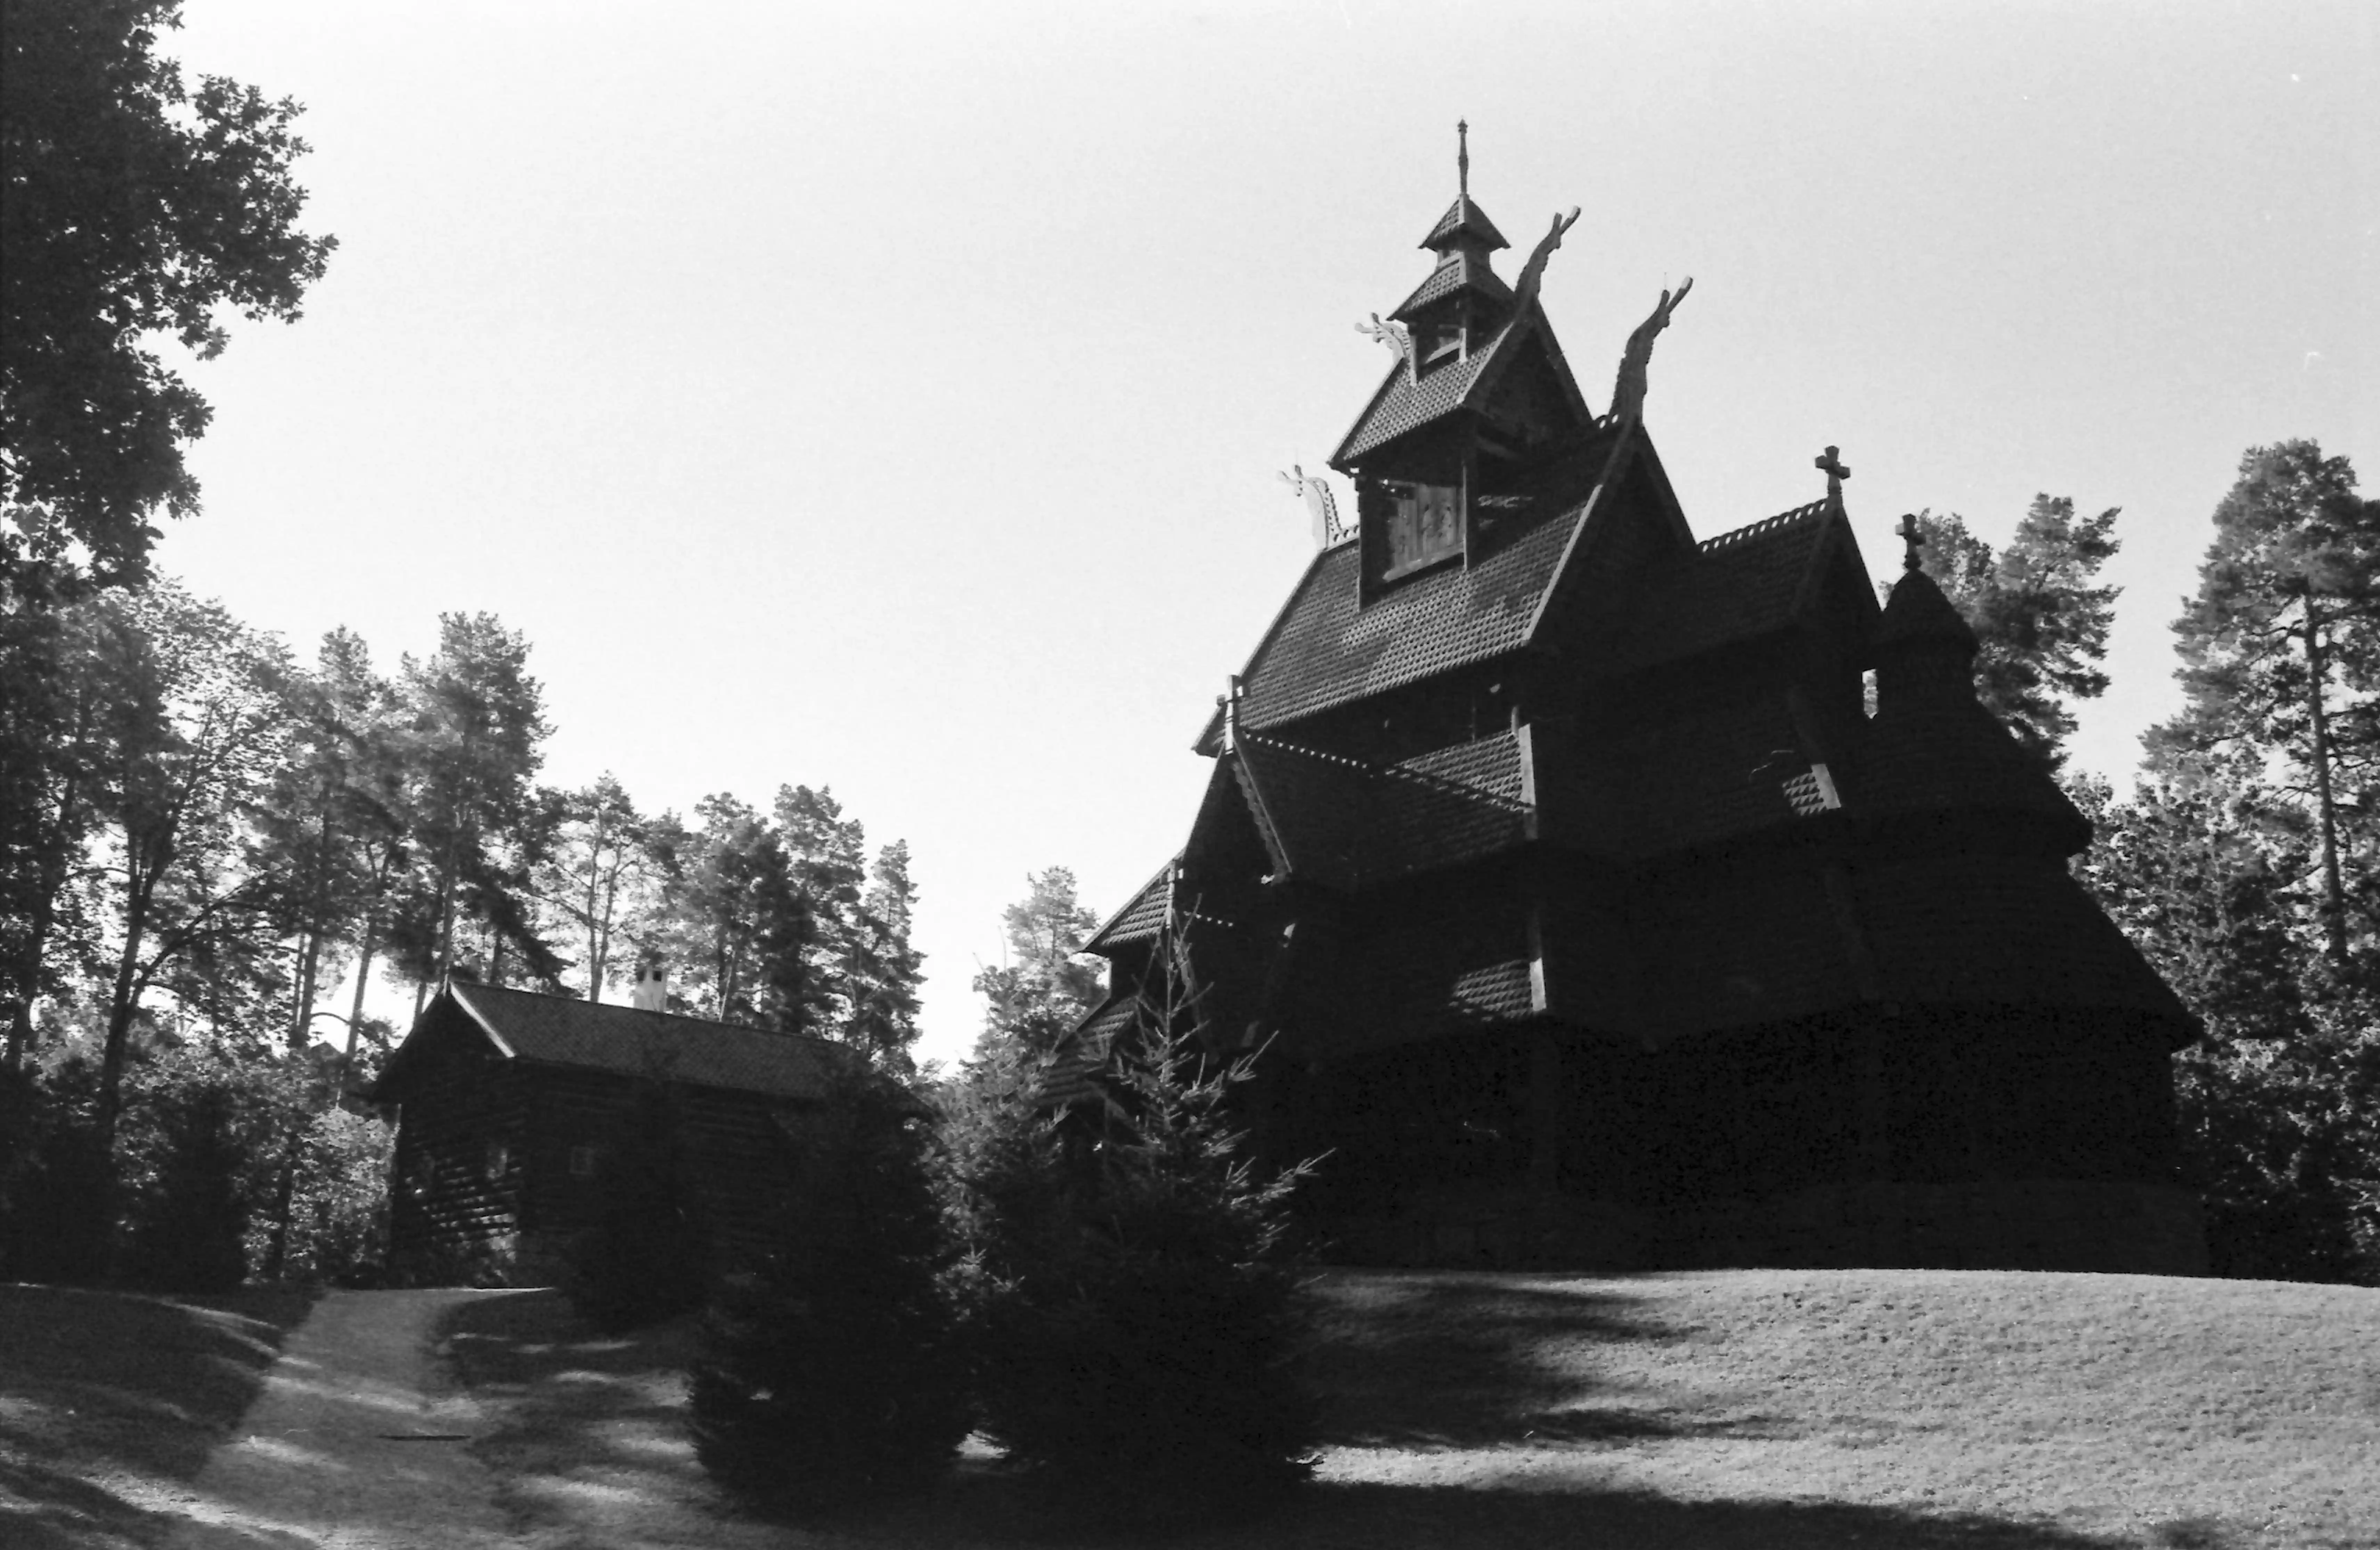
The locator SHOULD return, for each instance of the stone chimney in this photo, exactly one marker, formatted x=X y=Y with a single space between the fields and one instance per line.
x=652 y=992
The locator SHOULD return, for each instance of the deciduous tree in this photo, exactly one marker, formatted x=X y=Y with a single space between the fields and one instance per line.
x=137 y=208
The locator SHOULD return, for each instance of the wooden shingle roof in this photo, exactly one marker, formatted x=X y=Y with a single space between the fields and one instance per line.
x=565 y=1031
x=1347 y=825
x=1328 y=648
x=1465 y=216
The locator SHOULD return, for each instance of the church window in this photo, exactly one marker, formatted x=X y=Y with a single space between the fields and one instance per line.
x=582 y=1162
x=499 y=1157
x=1425 y=527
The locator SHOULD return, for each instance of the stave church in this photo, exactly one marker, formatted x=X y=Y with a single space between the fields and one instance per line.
x=1597 y=895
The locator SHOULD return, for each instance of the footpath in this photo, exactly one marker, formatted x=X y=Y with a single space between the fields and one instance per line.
x=358 y=1442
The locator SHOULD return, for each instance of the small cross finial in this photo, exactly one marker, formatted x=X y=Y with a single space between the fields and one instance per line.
x=1914 y=537
x=1462 y=157
x=1836 y=473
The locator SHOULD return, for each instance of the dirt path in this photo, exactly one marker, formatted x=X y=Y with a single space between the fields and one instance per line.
x=358 y=1442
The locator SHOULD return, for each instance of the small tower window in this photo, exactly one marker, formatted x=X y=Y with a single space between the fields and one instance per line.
x=1425 y=527
x=499 y=1157
x=582 y=1162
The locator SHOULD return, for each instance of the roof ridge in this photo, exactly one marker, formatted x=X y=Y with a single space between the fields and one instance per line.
x=622 y=1006
x=1763 y=527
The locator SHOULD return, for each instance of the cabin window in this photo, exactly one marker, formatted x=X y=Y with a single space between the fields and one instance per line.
x=1425 y=527
x=499 y=1155
x=582 y=1162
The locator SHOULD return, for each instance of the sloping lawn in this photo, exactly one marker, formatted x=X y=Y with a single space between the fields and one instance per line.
x=110 y=1403
x=1728 y=1409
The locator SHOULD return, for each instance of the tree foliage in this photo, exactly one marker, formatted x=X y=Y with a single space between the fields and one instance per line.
x=1047 y=984
x=1133 y=1295
x=830 y=1369
x=137 y=207
x=2040 y=618
x=2280 y=652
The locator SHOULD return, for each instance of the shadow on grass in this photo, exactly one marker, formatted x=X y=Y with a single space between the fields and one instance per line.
x=99 y=1385
x=1335 y=1515
x=1453 y=1359
x=593 y=1425
x=594 y=1443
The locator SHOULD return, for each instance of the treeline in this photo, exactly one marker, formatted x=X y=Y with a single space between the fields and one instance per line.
x=210 y=834
x=205 y=836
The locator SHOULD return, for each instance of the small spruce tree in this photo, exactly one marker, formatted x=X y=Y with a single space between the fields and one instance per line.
x=1135 y=1301
x=829 y=1370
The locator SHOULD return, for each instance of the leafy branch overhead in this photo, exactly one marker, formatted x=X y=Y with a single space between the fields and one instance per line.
x=138 y=209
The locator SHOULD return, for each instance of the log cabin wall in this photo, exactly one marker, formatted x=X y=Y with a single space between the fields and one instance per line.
x=461 y=1159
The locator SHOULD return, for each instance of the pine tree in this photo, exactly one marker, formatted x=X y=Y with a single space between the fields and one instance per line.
x=2039 y=619
x=2280 y=650
x=1047 y=984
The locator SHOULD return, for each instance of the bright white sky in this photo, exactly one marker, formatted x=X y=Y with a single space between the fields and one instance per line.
x=891 y=397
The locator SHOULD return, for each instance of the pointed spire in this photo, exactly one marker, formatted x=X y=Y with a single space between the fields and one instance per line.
x=1464 y=227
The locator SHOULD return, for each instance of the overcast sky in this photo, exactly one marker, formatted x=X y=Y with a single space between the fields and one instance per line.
x=891 y=398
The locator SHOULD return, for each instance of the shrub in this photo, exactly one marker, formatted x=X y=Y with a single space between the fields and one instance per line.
x=829 y=1370
x=57 y=1186
x=1135 y=1308
x=189 y=1231
x=647 y=1256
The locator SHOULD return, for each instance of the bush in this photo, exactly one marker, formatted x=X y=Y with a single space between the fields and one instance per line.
x=829 y=1371
x=1134 y=1307
x=190 y=1232
x=647 y=1256
x=57 y=1186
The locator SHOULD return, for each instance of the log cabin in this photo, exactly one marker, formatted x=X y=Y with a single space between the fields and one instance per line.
x=509 y=1104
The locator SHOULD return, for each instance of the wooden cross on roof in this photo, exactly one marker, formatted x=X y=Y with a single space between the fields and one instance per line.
x=1836 y=473
x=1914 y=537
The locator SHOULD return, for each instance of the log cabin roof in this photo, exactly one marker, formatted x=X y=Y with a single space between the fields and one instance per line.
x=541 y=1029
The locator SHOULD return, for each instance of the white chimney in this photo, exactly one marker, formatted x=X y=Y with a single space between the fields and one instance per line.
x=652 y=993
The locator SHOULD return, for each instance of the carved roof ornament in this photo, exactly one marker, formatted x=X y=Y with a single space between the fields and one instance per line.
x=1462 y=158
x=1394 y=336
x=1534 y=270
x=1910 y=534
x=1628 y=391
x=1315 y=490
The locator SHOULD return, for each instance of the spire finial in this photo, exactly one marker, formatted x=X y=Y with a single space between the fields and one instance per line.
x=1462 y=157
x=1914 y=537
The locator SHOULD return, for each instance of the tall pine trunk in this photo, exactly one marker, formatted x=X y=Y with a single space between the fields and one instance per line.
x=363 y=977
x=2334 y=901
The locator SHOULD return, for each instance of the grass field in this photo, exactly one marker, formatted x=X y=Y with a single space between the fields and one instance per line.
x=1731 y=1408
x=110 y=1402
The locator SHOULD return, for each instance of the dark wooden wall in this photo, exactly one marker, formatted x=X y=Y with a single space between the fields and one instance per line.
x=742 y=1155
